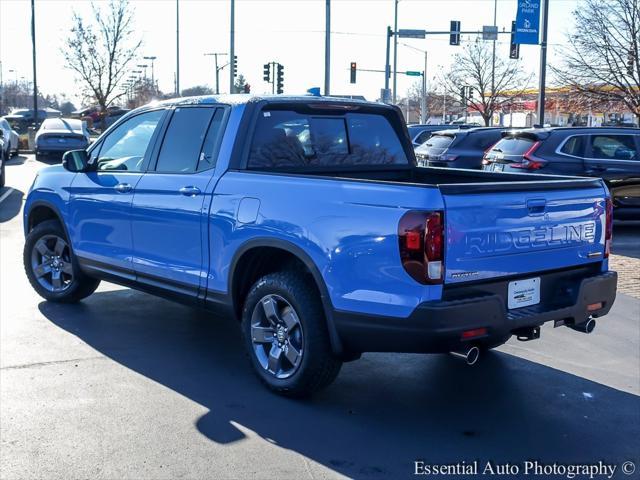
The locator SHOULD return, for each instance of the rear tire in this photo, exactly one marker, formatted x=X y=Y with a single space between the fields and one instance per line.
x=285 y=333
x=51 y=266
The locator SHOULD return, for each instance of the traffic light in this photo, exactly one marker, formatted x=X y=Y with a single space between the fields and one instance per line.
x=454 y=36
x=235 y=65
x=631 y=60
x=470 y=94
x=353 y=72
x=514 y=49
x=463 y=95
x=280 y=78
x=267 y=72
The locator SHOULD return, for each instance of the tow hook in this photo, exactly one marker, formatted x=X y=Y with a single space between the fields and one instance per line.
x=470 y=355
x=584 y=327
x=526 y=334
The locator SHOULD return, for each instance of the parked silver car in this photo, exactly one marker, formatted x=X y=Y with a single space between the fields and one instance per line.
x=59 y=135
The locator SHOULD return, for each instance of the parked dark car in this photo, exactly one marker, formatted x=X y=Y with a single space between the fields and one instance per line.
x=458 y=148
x=421 y=133
x=611 y=153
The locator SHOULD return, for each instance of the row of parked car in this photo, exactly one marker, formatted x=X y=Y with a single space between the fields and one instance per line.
x=611 y=153
x=54 y=137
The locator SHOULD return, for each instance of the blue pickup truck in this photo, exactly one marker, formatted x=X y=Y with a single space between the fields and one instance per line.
x=307 y=219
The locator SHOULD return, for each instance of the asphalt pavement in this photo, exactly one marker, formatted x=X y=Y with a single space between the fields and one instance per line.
x=127 y=385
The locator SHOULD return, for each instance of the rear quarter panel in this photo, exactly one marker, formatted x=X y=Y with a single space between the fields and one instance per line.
x=348 y=229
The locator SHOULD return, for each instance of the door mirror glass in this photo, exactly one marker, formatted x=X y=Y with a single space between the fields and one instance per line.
x=76 y=161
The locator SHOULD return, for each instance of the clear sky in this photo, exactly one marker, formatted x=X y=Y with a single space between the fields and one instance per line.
x=287 y=31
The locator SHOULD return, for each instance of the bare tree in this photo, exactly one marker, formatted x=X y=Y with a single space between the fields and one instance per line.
x=473 y=68
x=601 y=59
x=100 y=52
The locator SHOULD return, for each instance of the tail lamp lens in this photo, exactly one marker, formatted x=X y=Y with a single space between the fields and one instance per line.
x=421 y=242
x=608 y=236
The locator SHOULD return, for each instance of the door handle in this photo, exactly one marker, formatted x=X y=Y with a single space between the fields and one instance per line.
x=122 y=188
x=190 y=191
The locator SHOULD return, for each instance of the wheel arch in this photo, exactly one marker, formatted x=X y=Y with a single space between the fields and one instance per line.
x=41 y=211
x=276 y=251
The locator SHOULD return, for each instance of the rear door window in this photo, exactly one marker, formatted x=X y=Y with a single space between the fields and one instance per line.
x=574 y=146
x=292 y=139
x=183 y=140
x=613 y=147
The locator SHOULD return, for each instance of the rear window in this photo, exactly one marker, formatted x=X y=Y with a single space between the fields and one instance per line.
x=440 y=141
x=286 y=138
x=513 y=145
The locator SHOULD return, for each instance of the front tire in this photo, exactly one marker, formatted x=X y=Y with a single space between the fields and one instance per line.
x=51 y=267
x=285 y=333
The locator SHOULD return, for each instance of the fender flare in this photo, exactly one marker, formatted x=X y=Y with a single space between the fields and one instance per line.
x=300 y=254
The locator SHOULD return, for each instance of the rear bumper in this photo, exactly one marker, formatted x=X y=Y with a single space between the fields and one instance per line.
x=437 y=326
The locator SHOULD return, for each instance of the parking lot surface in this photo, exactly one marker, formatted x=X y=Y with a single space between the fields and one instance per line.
x=127 y=385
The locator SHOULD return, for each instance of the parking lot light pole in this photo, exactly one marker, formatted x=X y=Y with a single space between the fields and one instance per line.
x=35 y=82
x=232 y=49
x=395 y=51
x=177 y=48
x=153 y=59
x=327 y=48
x=543 y=61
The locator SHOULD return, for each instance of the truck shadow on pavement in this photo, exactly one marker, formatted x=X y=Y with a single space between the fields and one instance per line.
x=383 y=412
x=10 y=205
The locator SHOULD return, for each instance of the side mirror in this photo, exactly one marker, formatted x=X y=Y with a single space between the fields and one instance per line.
x=76 y=161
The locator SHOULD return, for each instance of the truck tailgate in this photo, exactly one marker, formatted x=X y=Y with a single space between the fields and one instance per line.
x=511 y=231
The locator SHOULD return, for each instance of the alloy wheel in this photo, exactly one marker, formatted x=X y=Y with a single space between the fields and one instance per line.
x=51 y=263
x=276 y=335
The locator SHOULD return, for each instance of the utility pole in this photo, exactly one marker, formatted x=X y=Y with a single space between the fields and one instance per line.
x=387 y=67
x=423 y=105
x=232 y=50
x=327 y=49
x=543 y=61
x=493 y=58
x=177 y=48
x=395 y=51
x=35 y=81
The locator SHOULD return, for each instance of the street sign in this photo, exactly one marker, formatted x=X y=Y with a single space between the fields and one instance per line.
x=412 y=73
x=528 y=22
x=489 y=32
x=412 y=33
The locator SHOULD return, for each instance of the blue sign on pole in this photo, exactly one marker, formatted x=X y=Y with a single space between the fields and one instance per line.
x=528 y=22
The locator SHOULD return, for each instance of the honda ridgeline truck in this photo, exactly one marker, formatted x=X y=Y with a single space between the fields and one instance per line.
x=307 y=219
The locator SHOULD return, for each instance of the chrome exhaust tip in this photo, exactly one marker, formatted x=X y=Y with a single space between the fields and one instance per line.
x=585 y=327
x=470 y=355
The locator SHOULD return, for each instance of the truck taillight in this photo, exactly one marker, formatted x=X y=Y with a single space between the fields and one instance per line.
x=421 y=242
x=608 y=235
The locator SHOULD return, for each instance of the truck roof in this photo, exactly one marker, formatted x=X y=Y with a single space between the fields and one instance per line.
x=243 y=98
